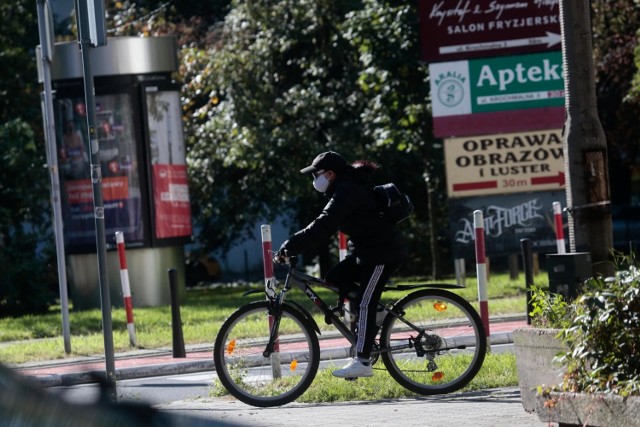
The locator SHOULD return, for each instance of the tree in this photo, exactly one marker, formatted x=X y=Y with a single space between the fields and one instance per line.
x=288 y=80
x=28 y=275
x=25 y=237
x=615 y=26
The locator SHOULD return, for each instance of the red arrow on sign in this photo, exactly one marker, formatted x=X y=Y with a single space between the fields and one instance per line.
x=481 y=185
x=552 y=179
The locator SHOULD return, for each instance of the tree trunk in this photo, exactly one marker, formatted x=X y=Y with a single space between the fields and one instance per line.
x=584 y=142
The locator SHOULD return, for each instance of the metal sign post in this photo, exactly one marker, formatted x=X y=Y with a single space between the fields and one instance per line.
x=85 y=42
x=45 y=27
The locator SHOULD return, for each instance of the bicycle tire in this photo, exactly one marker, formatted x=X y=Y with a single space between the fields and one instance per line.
x=450 y=323
x=266 y=381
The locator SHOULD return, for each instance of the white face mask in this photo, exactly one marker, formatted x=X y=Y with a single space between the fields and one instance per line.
x=321 y=183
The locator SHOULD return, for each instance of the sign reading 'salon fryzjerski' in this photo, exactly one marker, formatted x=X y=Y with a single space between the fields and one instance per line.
x=507 y=220
x=474 y=97
x=463 y=29
x=505 y=163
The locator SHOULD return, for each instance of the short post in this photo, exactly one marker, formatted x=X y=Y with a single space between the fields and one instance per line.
x=513 y=266
x=342 y=245
x=176 y=321
x=267 y=264
x=527 y=262
x=461 y=271
x=481 y=270
x=557 y=214
x=126 y=290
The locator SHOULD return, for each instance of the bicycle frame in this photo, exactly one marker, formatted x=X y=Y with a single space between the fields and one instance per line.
x=302 y=281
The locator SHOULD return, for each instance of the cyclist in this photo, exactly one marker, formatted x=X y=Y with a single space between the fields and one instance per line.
x=376 y=246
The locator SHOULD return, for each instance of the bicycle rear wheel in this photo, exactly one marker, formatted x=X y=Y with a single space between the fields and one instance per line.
x=440 y=348
x=266 y=381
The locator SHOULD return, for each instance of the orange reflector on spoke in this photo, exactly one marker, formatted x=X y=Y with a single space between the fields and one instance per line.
x=231 y=346
x=440 y=305
x=293 y=365
x=437 y=376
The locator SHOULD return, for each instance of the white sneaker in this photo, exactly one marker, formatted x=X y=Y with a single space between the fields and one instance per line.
x=354 y=369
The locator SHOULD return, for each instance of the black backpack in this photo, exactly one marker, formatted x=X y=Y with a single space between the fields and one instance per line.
x=396 y=206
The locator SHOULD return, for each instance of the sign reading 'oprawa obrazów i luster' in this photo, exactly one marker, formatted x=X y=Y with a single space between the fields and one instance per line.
x=475 y=97
x=504 y=163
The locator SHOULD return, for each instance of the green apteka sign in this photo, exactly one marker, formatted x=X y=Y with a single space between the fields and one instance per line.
x=497 y=84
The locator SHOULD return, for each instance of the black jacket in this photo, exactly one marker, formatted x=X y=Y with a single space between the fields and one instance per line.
x=353 y=210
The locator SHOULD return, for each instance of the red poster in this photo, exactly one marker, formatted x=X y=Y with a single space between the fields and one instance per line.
x=81 y=190
x=171 y=201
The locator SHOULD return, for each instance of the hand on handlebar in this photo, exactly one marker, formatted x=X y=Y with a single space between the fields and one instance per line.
x=281 y=257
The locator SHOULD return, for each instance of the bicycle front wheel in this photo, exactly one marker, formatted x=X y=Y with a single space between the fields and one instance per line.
x=278 y=378
x=438 y=345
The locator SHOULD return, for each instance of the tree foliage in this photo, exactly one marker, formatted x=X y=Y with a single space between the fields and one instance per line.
x=615 y=26
x=290 y=79
x=25 y=261
x=27 y=274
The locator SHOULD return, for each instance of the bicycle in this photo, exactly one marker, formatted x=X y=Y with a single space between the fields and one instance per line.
x=267 y=353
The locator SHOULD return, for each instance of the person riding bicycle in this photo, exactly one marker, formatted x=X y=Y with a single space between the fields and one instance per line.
x=376 y=246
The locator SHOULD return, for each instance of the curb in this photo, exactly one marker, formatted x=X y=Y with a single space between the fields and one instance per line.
x=179 y=368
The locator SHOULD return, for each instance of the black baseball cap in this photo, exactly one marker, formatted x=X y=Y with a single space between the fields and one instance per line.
x=329 y=160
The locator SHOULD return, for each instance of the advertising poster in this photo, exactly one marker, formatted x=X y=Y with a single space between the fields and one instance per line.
x=171 y=202
x=119 y=165
x=507 y=220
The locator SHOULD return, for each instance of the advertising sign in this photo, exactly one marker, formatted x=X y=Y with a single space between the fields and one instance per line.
x=463 y=29
x=489 y=88
x=505 y=163
x=120 y=175
x=171 y=202
x=507 y=220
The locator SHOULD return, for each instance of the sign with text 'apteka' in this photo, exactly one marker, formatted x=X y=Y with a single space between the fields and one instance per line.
x=462 y=89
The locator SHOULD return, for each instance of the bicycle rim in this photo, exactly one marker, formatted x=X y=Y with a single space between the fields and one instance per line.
x=266 y=381
x=447 y=355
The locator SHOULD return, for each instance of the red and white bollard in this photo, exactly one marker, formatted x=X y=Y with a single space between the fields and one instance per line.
x=557 y=214
x=267 y=262
x=267 y=253
x=342 y=245
x=126 y=290
x=481 y=269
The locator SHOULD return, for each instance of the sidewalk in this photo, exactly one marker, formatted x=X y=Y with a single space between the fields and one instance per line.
x=148 y=363
x=485 y=408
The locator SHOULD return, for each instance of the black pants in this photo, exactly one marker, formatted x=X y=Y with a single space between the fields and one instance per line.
x=368 y=280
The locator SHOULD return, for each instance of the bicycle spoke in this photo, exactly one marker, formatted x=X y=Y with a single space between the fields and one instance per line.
x=266 y=381
x=444 y=353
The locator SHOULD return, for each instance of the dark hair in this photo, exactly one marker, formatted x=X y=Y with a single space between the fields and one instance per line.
x=364 y=171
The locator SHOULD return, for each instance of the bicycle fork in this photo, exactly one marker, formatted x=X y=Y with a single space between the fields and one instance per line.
x=272 y=350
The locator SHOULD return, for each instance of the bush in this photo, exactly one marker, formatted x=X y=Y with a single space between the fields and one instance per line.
x=28 y=279
x=26 y=275
x=549 y=310
x=604 y=349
